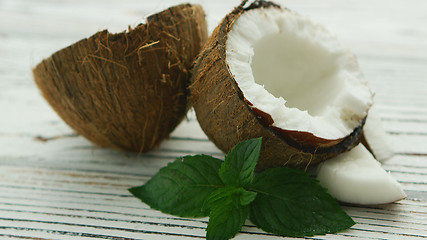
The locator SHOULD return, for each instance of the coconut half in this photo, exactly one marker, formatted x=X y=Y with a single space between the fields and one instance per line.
x=375 y=137
x=356 y=177
x=270 y=72
x=126 y=91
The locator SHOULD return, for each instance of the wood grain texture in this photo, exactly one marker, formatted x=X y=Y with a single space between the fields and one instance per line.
x=55 y=184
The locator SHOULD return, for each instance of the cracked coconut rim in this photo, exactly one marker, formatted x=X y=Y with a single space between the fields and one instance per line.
x=297 y=72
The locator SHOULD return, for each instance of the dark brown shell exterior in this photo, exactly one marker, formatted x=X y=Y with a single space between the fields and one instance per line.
x=228 y=118
x=129 y=90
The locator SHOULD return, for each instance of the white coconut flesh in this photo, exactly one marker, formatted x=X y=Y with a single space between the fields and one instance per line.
x=356 y=177
x=297 y=72
x=376 y=137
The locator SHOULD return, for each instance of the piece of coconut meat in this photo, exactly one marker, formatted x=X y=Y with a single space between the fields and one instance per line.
x=298 y=73
x=356 y=177
x=375 y=137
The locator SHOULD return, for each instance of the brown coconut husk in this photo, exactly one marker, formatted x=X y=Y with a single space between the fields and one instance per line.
x=126 y=91
x=228 y=118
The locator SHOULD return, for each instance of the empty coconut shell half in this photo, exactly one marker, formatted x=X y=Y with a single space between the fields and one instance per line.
x=269 y=72
x=126 y=91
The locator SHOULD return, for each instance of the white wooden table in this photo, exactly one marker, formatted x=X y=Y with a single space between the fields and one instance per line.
x=56 y=185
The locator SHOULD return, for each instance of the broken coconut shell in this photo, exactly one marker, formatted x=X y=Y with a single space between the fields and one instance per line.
x=227 y=116
x=126 y=91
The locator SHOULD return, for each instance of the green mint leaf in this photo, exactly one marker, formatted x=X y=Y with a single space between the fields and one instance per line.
x=217 y=197
x=239 y=165
x=247 y=197
x=227 y=214
x=291 y=203
x=182 y=187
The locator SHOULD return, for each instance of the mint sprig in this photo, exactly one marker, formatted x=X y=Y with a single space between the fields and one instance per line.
x=282 y=200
